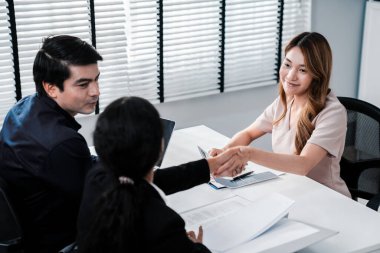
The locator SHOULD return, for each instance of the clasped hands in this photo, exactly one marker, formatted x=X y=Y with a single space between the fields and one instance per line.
x=228 y=162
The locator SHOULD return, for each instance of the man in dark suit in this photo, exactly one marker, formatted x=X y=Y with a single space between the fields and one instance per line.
x=43 y=158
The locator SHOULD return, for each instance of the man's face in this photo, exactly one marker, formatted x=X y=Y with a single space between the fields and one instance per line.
x=81 y=90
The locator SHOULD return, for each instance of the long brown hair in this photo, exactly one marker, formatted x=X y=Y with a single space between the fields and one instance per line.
x=318 y=61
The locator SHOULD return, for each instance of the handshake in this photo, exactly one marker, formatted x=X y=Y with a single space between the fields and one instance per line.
x=239 y=178
x=229 y=162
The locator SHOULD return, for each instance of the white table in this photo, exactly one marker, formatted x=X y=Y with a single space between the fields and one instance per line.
x=358 y=226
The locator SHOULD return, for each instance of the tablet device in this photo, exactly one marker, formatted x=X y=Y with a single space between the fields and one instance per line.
x=247 y=180
x=167 y=128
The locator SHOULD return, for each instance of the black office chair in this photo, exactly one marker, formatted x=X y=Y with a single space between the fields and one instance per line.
x=71 y=248
x=374 y=203
x=10 y=230
x=360 y=163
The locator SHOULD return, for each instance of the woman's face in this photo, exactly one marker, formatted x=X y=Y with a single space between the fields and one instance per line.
x=294 y=76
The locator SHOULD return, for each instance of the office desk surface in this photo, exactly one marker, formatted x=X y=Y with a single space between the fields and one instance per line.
x=358 y=226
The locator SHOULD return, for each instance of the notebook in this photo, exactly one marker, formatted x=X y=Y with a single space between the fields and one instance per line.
x=167 y=128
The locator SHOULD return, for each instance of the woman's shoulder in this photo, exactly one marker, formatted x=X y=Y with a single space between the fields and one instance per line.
x=333 y=110
x=276 y=105
x=98 y=178
x=333 y=104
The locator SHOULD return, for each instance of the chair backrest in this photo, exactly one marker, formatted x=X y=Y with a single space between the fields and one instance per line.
x=374 y=203
x=362 y=148
x=10 y=230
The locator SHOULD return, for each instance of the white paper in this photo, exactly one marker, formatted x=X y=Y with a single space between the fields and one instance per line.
x=212 y=213
x=245 y=224
x=281 y=233
x=285 y=236
x=216 y=184
x=92 y=150
x=196 y=197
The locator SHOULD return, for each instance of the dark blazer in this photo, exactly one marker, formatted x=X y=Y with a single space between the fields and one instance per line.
x=44 y=160
x=163 y=230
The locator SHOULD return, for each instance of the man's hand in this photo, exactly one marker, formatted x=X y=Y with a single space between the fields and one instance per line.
x=215 y=151
x=227 y=163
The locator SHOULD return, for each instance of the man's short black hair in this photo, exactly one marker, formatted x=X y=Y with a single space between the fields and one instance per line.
x=56 y=54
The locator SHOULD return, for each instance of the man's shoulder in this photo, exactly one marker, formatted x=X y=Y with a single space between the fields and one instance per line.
x=21 y=109
x=32 y=127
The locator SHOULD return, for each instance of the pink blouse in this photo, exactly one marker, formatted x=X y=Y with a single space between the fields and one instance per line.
x=329 y=133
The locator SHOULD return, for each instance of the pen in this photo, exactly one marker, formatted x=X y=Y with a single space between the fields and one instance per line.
x=203 y=153
x=242 y=176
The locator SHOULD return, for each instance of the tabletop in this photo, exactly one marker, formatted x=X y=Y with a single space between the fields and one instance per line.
x=358 y=226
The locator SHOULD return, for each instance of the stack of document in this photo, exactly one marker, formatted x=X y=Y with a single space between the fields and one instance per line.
x=238 y=225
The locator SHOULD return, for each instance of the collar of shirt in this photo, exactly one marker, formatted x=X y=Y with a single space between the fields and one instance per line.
x=162 y=194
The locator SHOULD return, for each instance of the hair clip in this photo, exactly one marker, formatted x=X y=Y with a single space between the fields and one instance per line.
x=126 y=180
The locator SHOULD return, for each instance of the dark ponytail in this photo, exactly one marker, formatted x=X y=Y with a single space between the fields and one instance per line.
x=115 y=224
x=127 y=138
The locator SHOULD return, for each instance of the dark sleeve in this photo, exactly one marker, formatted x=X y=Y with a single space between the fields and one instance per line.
x=199 y=247
x=67 y=166
x=182 y=177
x=174 y=239
x=167 y=234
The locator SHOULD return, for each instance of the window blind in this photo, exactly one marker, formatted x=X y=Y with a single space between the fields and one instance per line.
x=7 y=78
x=191 y=48
x=110 y=21
x=142 y=28
x=251 y=39
x=296 y=19
x=36 y=19
x=162 y=50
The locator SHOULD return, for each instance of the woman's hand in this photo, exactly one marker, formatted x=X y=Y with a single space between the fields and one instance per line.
x=237 y=160
x=194 y=238
x=223 y=164
x=230 y=162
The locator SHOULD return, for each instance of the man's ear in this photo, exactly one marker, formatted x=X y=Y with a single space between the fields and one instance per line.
x=50 y=89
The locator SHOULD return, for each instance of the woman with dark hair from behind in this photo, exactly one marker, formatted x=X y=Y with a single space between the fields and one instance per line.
x=132 y=215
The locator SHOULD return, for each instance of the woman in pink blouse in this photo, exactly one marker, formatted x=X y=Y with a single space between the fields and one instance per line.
x=307 y=121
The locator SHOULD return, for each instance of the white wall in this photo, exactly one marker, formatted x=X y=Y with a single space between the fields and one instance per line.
x=369 y=86
x=226 y=113
x=341 y=21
